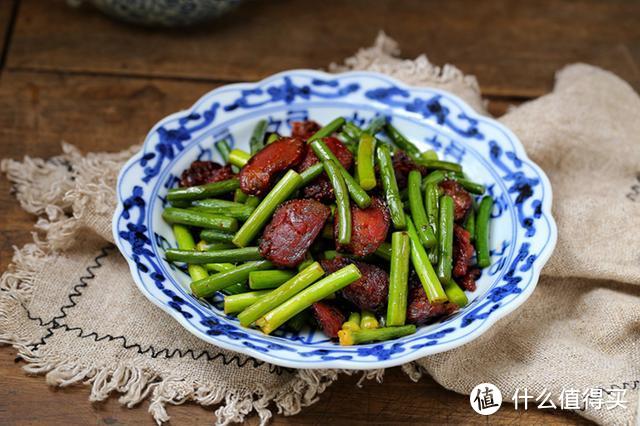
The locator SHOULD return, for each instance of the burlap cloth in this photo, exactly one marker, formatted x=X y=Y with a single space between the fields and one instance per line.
x=69 y=306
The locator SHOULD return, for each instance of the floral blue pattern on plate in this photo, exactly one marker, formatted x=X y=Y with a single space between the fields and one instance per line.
x=523 y=232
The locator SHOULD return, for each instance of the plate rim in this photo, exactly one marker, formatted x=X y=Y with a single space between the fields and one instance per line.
x=546 y=209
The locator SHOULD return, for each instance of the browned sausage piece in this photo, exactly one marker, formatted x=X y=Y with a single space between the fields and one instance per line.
x=201 y=172
x=420 y=311
x=293 y=228
x=461 y=199
x=263 y=169
x=320 y=188
x=368 y=292
x=341 y=152
x=462 y=251
x=304 y=129
x=468 y=282
x=402 y=165
x=369 y=228
x=328 y=317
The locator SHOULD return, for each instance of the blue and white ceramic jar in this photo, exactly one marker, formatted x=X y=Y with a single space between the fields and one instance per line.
x=167 y=13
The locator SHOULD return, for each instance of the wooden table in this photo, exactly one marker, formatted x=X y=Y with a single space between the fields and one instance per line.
x=77 y=76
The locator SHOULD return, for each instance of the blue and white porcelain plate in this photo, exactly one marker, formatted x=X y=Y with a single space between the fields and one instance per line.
x=523 y=232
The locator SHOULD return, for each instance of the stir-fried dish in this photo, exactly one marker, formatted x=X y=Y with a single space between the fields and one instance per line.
x=352 y=230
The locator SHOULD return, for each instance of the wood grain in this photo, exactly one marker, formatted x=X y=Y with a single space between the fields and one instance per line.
x=28 y=400
x=77 y=76
x=7 y=9
x=513 y=48
x=39 y=110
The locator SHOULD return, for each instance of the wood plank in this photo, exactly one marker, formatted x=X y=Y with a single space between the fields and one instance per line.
x=26 y=400
x=104 y=113
x=39 y=110
x=514 y=48
x=7 y=9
